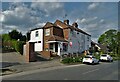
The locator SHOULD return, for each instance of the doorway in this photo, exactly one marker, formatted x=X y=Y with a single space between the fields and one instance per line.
x=56 y=47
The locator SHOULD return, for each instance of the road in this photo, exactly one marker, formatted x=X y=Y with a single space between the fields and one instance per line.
x=102 y=71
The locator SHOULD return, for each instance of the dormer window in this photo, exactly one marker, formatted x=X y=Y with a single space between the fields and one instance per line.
x=36 y=34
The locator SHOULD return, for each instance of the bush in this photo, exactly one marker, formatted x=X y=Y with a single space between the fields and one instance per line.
x=67 y=60
x=72 y=60
x=19 y=46
x=13 y=45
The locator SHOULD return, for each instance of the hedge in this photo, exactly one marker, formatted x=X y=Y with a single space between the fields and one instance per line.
x=72 y=60
x=19 y=46
x=13 y=44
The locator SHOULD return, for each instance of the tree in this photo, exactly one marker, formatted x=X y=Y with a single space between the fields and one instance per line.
x=5 y=37
x=118 y=38
x=110 y=38
x=14 y=34
x=28 y=36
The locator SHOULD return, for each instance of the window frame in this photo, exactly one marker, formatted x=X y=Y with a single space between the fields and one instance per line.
x=36 y=33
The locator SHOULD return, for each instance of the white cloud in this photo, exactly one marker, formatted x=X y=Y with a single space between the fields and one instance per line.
x=49 y=8
x=102 y=21
x=11 y=27
x=19 y=16
x=83 y=20
x=86 y=20
x=2 y=17
x=40 y=25
x=93 y=6
x=22 y=17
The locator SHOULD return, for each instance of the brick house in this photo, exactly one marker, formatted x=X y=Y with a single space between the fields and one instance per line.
x=60 y=38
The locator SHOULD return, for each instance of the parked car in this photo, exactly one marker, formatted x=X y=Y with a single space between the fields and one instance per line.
x=90 y=59
x=106 y=57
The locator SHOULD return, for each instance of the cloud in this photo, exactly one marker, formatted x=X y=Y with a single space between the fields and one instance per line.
x=48 y=8
x=19 y=16
x=1 y=17
x=102 y=21
x=93 y=6
x=95 y=26
x=24 y=17
x=86 y=20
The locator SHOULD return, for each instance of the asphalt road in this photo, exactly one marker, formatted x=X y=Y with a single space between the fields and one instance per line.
x=102 y=71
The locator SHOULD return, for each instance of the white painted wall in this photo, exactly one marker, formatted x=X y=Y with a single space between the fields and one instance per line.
x=33 y=38
x=38 y=46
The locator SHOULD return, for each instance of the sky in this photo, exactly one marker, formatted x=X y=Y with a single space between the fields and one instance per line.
x=92 y=17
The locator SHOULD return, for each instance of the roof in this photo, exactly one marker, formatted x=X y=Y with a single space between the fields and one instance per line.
x=48 y=25
x=57 y=38
x=103 y=47
x=36 y=28
x=66 y=26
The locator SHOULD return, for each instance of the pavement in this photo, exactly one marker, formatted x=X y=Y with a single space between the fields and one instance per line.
x=13 y=62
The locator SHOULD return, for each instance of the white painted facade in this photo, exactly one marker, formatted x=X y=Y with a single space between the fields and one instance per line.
x=36 y=36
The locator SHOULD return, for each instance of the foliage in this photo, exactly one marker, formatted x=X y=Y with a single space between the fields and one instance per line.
x=70 y=60
x=14 y=34
x=110 y=39
x=13 y=45
x=118 y=39
x=97 y=56
x=10 y=41
x=28 y=36
x=19 y=46
x=5 y=37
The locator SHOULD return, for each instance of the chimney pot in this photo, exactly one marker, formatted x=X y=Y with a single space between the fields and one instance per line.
x=75 y=25
x=66 y=22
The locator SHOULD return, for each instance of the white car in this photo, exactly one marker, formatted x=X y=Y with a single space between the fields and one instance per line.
x=90 y=59
x=106 y=57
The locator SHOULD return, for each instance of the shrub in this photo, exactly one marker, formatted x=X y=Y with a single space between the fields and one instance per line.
x=71 y=60
x=19 y=46
x=13 y=45
x=77 y=59
x=66 y=60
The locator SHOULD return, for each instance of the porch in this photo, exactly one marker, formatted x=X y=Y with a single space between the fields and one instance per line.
x=56 y=45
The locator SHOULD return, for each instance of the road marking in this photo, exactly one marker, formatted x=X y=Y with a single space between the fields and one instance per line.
x=90 y=71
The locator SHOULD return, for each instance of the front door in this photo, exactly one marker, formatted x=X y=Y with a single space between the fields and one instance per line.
x=56 y=47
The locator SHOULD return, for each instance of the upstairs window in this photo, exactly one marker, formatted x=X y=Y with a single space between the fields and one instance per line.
x=36 y=34
x=47 y=32
x=88 y=38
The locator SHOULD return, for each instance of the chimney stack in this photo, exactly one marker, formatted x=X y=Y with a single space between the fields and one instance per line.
x=66 y=22
x=75 y=25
